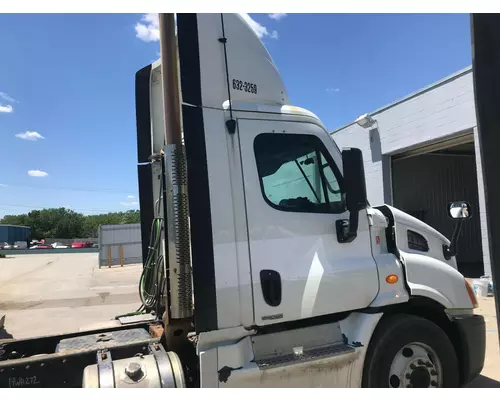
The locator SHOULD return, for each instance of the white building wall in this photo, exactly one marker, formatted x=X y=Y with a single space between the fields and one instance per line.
x=442 y=110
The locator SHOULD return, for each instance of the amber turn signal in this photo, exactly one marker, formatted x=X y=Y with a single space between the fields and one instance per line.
x=472 y=295
x=391 y=279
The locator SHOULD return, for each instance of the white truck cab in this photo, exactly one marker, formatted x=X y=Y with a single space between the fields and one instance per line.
x=264 y=263
x=297 y=280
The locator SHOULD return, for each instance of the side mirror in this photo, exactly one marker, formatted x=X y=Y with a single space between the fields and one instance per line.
x=355 y=187
x=460 y=210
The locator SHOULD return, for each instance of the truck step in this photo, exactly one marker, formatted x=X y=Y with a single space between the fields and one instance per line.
x=300 y=356
x=108 y=340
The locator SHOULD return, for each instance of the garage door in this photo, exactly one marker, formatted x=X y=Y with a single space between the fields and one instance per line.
x=436 y=146
x=425 y=182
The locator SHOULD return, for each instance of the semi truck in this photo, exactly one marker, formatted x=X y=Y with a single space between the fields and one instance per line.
x=264 y=263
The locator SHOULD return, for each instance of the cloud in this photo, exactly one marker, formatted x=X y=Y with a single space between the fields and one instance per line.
x=37 y=173
x=130 y=197
x=127 y=204
x=3 y=185
x=7 y=98
x=6 y=109
x=277 y=16
x=260 y=30
x=148 y=28
x=30 y=135
x=332 y=90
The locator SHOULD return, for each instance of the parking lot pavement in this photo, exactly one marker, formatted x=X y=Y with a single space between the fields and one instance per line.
x=47 y=294
x=490 y=376
x=43 y=294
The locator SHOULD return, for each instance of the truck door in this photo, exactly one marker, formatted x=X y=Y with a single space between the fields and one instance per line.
x=293 y=194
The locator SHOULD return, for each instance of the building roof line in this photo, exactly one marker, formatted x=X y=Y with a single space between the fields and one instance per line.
x=419 y=92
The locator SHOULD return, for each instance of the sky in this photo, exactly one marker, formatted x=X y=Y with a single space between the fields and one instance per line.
x=67 y=111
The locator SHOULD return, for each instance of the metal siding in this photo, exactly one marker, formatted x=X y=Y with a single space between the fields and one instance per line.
x=114 y=236
x=440 y=112
x=12 y=233
x=428 y=183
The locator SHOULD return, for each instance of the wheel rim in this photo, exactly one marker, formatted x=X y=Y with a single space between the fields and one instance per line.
x=416 y=365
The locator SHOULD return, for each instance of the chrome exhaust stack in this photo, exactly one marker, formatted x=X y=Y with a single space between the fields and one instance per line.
x=176 y=200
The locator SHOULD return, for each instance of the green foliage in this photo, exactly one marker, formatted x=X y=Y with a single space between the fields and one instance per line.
x=63 y=223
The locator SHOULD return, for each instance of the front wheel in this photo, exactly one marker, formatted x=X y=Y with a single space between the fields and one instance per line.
x=410 y=352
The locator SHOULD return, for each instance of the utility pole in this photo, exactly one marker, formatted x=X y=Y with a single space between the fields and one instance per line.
x=485 y=30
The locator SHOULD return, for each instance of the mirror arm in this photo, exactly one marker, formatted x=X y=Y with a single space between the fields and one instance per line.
x=347 y=230
x=451 y=250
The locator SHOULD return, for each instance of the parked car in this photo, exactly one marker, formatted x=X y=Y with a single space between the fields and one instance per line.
x=3 y=245
x=20 y=244
x=41 y=246
x=59 y=245
x=7 y=246
x=81 y=245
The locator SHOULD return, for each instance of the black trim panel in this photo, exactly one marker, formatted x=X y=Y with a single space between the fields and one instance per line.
x=145 y=180
x=189 y=58
x=472 y=331
x=390 y=235
x=146 y=206
x=205 y=299
x=142 y=114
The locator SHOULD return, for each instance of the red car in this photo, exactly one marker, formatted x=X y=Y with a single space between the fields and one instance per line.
x=40 y=246
x=81 y=245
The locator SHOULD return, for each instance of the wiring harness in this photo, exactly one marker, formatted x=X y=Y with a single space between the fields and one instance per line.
x=152 y=277
x=152 y=280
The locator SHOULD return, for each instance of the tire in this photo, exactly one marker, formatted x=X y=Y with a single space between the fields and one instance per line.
x=392 y=359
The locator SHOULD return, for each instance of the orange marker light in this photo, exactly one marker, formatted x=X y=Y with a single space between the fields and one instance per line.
x=391 y=279
x=472 y=295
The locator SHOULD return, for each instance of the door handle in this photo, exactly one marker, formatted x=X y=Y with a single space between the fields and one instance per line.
x=270 y=282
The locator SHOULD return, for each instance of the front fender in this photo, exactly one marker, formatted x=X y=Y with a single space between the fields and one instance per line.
x=431 y=293
x=432 y=278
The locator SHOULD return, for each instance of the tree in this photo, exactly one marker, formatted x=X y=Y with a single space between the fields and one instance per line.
x=64 y=223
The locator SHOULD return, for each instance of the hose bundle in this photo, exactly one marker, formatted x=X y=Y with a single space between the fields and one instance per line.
x=151 y=281
x=152 y=278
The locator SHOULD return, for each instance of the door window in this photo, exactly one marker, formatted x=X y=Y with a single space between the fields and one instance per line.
x=297 y=174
